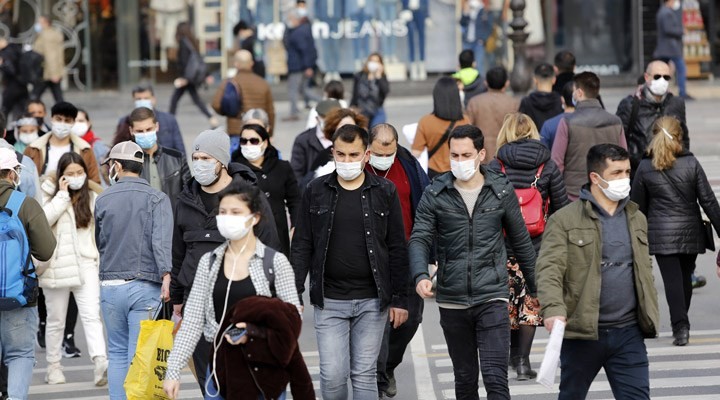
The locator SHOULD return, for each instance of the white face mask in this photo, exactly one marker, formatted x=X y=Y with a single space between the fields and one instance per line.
x=80 y=128
x=113 y=174
x=251 y=152
x=382 y=163
x=658 y=87
x=676 y=5
x=204 y=172
x=348 y=171
x=76 y=182
x=28 y=137
x=373 y=66
x=61 y=130
x=464 y=170
x=617 y=189
x=234 y=227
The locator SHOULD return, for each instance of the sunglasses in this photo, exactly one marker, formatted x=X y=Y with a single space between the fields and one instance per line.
x=253 y=141
x=658 y=76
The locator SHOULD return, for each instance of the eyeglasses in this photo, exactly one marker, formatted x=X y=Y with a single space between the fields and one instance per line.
x=253 y=141
x=658 y=76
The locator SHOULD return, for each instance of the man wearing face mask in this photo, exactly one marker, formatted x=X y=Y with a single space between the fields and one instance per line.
x=133 y=232
x=595 y=274
x=589 y=125
x=651 y=101
x=165 y=169
x=196 y=231
x=168 y=135
x=350 y=239
x=464 y=212
x=47 y=150
x=395 y=163
x=669 y=47
x=311 y=142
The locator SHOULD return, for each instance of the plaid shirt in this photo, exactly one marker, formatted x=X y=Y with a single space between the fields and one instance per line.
x=199 y=311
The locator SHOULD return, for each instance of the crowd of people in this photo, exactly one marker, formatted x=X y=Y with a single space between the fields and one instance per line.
x=531 y=211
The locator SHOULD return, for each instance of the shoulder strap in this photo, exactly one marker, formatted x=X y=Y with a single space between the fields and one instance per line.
x=674 y=187
x=268 y=264
x=15 y=202
x=502 y=166
x=442 y=141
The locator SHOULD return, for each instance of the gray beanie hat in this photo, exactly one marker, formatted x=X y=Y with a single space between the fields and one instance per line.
x=216 y=143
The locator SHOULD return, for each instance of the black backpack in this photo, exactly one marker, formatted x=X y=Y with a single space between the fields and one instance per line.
x=196 y=70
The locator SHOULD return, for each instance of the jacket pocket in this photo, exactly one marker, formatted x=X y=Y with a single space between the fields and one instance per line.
x=380 y=221
x=318 y=218
x=581 y=254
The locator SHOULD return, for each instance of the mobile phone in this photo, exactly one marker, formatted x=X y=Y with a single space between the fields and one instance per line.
x=235 y=333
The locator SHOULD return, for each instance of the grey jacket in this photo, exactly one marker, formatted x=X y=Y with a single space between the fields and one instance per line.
x=133 y=231
x=670 y=33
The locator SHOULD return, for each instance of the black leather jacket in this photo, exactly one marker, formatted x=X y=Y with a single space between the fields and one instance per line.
x=173 y=169
x=387 y=248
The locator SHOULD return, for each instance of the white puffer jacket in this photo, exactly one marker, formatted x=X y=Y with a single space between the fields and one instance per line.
x=74 y=247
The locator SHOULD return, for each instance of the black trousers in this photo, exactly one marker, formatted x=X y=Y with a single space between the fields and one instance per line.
x=40 y=87
x=14 y=100
x=190 y=88
x=201 y=358
x=395 y=341
x=676 y=271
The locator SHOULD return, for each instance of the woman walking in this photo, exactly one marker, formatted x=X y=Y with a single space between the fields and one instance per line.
x=668 y=185
x=370 y=88
x=526 y=162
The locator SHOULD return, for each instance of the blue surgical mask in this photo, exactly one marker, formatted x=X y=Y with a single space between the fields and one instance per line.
x=146 y=140
x=37 y=27
x=147 y=103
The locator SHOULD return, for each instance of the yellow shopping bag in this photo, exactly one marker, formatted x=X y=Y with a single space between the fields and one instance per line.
x=144 y=380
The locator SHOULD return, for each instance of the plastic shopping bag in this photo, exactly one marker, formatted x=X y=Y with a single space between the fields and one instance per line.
x=144 y=380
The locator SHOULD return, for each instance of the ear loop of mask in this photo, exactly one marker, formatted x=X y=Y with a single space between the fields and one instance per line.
x=216 y=345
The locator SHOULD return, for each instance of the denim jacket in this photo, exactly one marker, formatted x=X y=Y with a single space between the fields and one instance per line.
x=387 y=249
x=133 y=231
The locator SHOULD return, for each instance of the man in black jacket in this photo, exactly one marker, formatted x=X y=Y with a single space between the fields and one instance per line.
x=543 y=103
x=350 y=238
x=15 y=95
x=466 y=211
x=311 y=142
x=196 y=230
x=165 y=169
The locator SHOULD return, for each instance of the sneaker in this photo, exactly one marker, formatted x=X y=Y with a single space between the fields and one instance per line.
x=698 y=281
x=100 y=371
x=68 y=348
x=54 y=375
x=391 y=390
x=41 y=335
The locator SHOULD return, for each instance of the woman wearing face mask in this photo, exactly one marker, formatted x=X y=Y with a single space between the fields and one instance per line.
x=234 y=271
x=68 y=202
x=370 y=88
x=26 y=132
x=668 y=185
x=526 y=162
x=275 y=178
x=83 y=128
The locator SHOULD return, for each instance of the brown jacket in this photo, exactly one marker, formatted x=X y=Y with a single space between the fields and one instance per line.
x=49 y=43
x=37 y=152
x=487 y=111
x=430 y=130
x=255 y=93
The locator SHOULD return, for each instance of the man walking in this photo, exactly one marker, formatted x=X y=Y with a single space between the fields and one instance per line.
x=466 y=212
x=18 y=324
x=543 y=103
x=350 y=238
x=589 y=125
x=669 y=46
x=595 y=274
x=49 y=44
x=133 y=232
x=395 y=163
x=301 y=61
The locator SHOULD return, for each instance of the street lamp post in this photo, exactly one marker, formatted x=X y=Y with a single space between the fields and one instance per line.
x=520 y=79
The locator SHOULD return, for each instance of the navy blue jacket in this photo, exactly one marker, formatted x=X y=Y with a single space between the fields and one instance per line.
x=418 y=178
x=300 y=47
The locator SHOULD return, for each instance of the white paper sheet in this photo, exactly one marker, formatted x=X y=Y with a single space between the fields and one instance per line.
x=409 y=132
x=551 y=360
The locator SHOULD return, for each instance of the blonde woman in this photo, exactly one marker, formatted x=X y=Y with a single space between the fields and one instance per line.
x=668 y=185
x=521 y=156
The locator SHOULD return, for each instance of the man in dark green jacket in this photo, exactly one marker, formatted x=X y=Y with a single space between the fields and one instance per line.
x=465 y=212
x=595 y=274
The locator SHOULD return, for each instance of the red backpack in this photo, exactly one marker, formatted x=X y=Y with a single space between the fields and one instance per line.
x=532 y=206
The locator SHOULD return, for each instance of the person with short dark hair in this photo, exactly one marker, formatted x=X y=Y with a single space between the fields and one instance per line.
x=350 y=239
x=38 y=110
x=471 y=79
x=564 y=70
x=463 y=213
x=135 y=258
x=246 y=38
x=433 y=129
x=542 y=104
x=595 y=275
x=589 y=125
x=488 y=110
x=549 y=128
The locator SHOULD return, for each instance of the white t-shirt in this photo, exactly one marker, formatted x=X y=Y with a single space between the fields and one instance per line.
x=54 y=154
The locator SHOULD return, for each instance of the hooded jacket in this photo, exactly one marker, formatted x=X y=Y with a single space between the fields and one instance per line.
x=305 y=150
x=196 y=231
x=37 y=151
x=541 y=106
x=673 y=222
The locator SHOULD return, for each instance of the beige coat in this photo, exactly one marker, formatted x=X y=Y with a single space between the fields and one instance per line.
x=487 y=111
x=49 y=42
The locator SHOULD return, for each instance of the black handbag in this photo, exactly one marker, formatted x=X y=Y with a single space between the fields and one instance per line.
x=707 y=226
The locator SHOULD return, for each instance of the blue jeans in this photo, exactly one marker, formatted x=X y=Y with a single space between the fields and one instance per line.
x=123 y=307
x=483 y=330
x=379 y=118
x=361 y=45
x=681 y=74
x=210 y=385
x=417 y=27
x=621 y=352
x=349 y=335
x=17 y=342
x=387 y=12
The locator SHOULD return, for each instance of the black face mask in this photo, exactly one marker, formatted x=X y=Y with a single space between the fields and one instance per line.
x=40 y=121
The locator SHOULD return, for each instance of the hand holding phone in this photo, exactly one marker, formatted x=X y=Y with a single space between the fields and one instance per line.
x=235 y=335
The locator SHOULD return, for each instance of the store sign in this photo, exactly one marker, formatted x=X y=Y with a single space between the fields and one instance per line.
x=346 y=29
